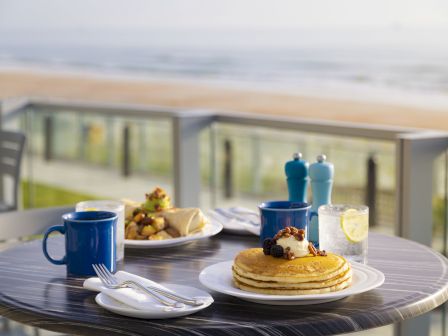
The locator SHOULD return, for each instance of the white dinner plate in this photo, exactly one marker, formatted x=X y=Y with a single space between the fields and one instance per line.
x=120 y=308
x=218 y=277
x=234 y=225
x=210 y=229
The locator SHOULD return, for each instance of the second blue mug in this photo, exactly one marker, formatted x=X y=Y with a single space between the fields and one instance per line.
x=276 y=215
x=90 y=238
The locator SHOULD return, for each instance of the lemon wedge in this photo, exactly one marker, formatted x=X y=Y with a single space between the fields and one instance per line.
x=355 y=225
x=90 y=209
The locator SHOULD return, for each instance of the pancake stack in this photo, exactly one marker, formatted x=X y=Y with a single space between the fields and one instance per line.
x=255 y=272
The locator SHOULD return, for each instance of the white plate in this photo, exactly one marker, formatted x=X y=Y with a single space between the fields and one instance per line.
x=210 y=229
x=120 y=308
x=218 y=277
x=233 y=225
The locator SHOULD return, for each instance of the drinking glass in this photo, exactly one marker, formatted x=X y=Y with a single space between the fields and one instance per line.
x=114 y=206
x=343 y=230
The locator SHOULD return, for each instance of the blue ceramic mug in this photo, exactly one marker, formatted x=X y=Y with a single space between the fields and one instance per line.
x=90 y=238
x=276 y=215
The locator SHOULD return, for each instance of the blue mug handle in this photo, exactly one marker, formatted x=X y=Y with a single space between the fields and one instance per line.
x=312 y=215
x=58 y=228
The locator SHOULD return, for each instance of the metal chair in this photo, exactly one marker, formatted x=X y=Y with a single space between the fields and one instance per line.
x=22 y=224
x=11 y=152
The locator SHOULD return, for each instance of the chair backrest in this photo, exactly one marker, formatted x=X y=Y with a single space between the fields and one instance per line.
x=11 y=152
x=19 y=224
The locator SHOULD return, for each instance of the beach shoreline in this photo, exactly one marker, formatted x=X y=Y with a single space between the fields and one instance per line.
x=34 y=81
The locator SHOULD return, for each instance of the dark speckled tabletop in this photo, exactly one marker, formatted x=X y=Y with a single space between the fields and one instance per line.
x=38 y=293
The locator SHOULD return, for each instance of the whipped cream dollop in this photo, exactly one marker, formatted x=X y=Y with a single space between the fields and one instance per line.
x=298 y=248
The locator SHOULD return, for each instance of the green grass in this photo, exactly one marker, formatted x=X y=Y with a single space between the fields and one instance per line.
x=47 y=196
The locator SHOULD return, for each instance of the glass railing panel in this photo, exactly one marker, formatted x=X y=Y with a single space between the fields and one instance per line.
x=150 y=146
x=439 y=325
x=207 y=139
x=67 y=130
x=87 y=157
x=438 y=321
x=439 y=228
x=250 y=162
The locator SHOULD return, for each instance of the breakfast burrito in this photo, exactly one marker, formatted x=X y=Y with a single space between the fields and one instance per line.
x=129 y=207
x=185 y=220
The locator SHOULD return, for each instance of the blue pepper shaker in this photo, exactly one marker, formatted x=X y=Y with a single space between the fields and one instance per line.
x=321 y=174
x=296 y=172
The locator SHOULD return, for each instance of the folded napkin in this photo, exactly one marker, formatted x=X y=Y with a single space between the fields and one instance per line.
x=132 y=297
x=237 y=219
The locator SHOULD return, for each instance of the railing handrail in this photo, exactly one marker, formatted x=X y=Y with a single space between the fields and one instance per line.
x=330 y=127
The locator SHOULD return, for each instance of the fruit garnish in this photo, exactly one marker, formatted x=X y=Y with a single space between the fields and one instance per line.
x=156 y=201
x=277 y=251
x=267 y=244
x=354 y=225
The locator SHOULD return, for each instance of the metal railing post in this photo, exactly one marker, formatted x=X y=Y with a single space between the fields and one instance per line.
x=48 y=134
x=213 y=166
x=126 y=155
x=2 y=191
x=186 y=156
x=371 y=189
x=83 y=135
x=415 y=160
x=228 y=169
x=110 y=141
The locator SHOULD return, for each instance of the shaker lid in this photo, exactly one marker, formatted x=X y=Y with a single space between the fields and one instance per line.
x=321 y=158
x=321 y=170
x=296 y=168
x=297 y=156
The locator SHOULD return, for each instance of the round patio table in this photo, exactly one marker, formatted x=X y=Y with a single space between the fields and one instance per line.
x=37 y=293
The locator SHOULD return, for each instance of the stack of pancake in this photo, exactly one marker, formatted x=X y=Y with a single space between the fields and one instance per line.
x=255 y=272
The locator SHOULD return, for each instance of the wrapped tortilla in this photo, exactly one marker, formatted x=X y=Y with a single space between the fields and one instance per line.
x=129 y=207
x=185 y=220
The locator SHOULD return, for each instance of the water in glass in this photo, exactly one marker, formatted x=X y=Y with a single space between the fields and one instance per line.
x=343 y=230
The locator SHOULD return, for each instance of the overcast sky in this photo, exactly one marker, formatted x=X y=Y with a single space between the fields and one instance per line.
x=130 y=14
x=243 y=23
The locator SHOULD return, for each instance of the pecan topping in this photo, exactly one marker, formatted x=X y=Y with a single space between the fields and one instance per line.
x=315 y=252
x=322 y=253
x=289 y=231
x=312 y=249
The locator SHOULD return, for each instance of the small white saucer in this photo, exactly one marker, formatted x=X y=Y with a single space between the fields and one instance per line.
x=159 y=312
x=218 y=277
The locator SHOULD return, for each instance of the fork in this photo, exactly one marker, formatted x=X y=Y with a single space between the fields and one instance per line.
x=110 y=281
x=175 y=297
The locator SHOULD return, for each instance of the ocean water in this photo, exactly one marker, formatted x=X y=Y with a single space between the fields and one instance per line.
x=411 y=75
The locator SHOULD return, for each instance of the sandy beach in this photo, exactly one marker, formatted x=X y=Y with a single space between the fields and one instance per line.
x=14 y=83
